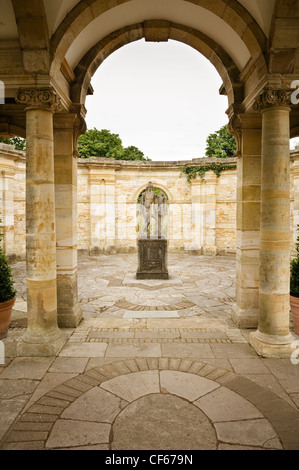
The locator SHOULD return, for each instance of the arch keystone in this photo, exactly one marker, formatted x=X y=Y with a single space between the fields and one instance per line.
x=156 y=31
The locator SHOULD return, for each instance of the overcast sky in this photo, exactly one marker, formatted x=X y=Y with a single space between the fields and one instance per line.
x=160 y=97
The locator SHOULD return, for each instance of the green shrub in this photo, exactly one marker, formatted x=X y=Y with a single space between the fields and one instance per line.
x=294 y=284
x=7 y=290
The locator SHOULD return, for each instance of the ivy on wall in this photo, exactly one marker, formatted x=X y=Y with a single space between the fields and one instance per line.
x=193 y=171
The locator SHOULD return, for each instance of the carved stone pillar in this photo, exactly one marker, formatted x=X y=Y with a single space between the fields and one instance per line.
x=43 y=338
x=273 y=338
x=247 y=130
x=68 y=307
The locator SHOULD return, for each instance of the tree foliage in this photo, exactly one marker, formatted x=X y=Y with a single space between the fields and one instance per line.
x=17 y=142
x=221 y=144
x=103 y=143
x=193 y=171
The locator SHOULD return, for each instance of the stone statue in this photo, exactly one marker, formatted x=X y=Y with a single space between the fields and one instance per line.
x=153 y=207
x=152 y=244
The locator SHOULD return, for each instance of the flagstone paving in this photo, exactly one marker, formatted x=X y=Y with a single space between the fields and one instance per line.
x=155 y=365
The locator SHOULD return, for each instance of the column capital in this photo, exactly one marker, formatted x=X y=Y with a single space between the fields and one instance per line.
x=39 y=98
x=270 y=98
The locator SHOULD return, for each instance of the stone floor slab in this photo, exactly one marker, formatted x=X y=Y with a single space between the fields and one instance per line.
x=69 y=365
x=186 y=385
x=70 y=433
x=150 y=314
x=83 y=350
x=224 y=405
x=256 y=432
x=193 y=351
x=133 y=386
x=27 y=368
x=96 y=405
x=134 y=350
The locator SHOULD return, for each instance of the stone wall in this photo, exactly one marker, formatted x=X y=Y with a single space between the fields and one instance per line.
x=201 y=213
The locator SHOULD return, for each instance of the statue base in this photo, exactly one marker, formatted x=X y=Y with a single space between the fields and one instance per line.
x=152 y=258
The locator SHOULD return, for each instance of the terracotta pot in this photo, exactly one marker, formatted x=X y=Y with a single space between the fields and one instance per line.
x=5 y=315
x=294 y=301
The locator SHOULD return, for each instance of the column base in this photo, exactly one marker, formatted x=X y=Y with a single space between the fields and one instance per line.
x=272 y=345
x=69 y=317
x=244 y=318
x=47 y=345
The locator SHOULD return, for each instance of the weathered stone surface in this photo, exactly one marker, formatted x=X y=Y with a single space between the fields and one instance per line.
x=87 y=407
x=70 y=433
x=171 y=424
x=133 y=386
x=188 y=386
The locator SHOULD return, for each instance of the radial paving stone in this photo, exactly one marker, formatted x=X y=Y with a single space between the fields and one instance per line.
x=50 y=408
x=71 y=433
x=96 y=405
x=186 y=385
x=133 y=386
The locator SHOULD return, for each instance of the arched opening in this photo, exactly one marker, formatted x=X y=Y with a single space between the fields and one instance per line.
x=163 y=98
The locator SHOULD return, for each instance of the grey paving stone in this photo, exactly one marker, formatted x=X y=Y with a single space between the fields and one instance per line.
x=151 y=314
x=67 y=364
x=187 y=350
x=224 y=405
x=133 y=386
x=70 y=433
x=256 y=432
x=9 y=410
x=96 y=405
x=134 y=350
x=17 y=387
x=185 y=385
x=84 y=350
x=27 y=368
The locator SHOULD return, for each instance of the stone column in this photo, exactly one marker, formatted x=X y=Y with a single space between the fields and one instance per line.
x=43 y=338
x=247 y=130
x=273 y=338
x=65 y=162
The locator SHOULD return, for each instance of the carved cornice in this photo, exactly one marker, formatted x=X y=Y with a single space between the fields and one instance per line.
x=39 y=98
x=270 y=98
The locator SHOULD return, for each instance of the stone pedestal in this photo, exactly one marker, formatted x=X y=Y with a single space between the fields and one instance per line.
x=152 y=255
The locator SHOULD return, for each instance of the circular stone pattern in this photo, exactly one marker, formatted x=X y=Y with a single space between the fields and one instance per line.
x=163 y=422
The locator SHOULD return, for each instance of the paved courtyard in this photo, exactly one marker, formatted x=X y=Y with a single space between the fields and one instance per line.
x=155 y=365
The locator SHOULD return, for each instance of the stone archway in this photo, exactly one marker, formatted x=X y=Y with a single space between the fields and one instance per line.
x=49 y=57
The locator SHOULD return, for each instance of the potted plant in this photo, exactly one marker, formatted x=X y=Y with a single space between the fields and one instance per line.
x=7 y=294
x=294 y=288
